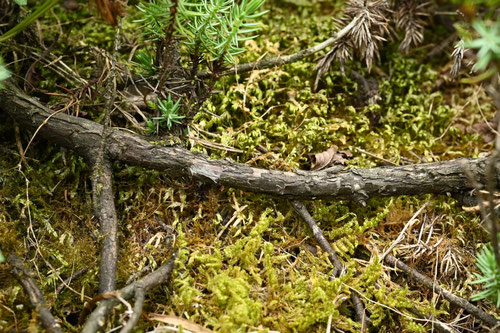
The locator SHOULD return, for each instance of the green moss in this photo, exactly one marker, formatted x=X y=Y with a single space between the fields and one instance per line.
x=244 y=260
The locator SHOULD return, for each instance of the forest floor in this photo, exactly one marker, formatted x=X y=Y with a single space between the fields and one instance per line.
x=247 y=262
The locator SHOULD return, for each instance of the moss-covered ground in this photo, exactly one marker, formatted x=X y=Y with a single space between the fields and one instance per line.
x=247 y=262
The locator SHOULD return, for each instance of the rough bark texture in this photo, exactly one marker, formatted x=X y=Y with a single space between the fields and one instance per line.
x=105 y=211
x=35 y=295
x=83 y=136
x=97 y=318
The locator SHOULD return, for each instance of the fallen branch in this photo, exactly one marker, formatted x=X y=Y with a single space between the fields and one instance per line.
x=105 y=212
x=102 y=187
x=453 y=299
x=97 y=318
x=302 y=211
x=83 y=136
x=139 y=302
x=281 y=60
x=23 y=275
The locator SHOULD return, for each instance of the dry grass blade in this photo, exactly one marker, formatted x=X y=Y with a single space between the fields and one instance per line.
x=177 y=321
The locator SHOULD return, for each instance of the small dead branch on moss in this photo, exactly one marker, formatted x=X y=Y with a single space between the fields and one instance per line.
x=402 y=233
x=23 y=275
x=174 y=322
x=282 y=60
x=97 y=318
x=412 y=273
x=83 y=136
x=452 y=298
x=439 y=326
x=136 y=314
x=302 y=211
x=102 y=187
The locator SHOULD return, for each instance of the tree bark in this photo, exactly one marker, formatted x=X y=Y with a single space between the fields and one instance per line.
x=24 y=276
x=84 y=136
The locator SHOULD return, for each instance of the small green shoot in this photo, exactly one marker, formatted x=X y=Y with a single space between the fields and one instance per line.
x=214 y=29
x=488 y=43
x=4 y=72
x=39 y=11
x=169 y=114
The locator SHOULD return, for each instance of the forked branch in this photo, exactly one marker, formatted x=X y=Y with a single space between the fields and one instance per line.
x=97 y=318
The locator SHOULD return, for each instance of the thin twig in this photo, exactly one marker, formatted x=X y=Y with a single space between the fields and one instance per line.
x=23 y=275
x=439 y=326
x=68 y=280
x=281 y=60
x=139 y=302
x=302 y=211
x=98 y=316
x=453 y=299
x=401 y=234
x=102 y=187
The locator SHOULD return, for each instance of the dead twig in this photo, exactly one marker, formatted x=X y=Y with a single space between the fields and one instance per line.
x=439 y=326
x=302 y=211
x=68 y=280
x=98 y=316
x=282 y=60
x=452 y=298
x=139 y=302
x=102 y=187
x=402 y=233
x=23 y=275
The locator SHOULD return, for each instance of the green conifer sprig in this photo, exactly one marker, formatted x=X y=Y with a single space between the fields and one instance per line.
x=156 y=18
x=213 y=28
x=490 y=276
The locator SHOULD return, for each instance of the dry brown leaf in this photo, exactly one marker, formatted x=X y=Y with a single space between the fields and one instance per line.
x=329 y=157
x=177 y=321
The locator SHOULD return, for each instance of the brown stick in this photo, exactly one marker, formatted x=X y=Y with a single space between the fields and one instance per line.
x=105 y=212
x=98 y=316
x=83 y=136
x=23 y=275
x=139 y=302
x=102 y=187
x=302 y=211
x=281 y=60
x=453 y=299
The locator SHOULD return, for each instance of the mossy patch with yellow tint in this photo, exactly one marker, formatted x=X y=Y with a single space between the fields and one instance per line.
x=246 y=261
